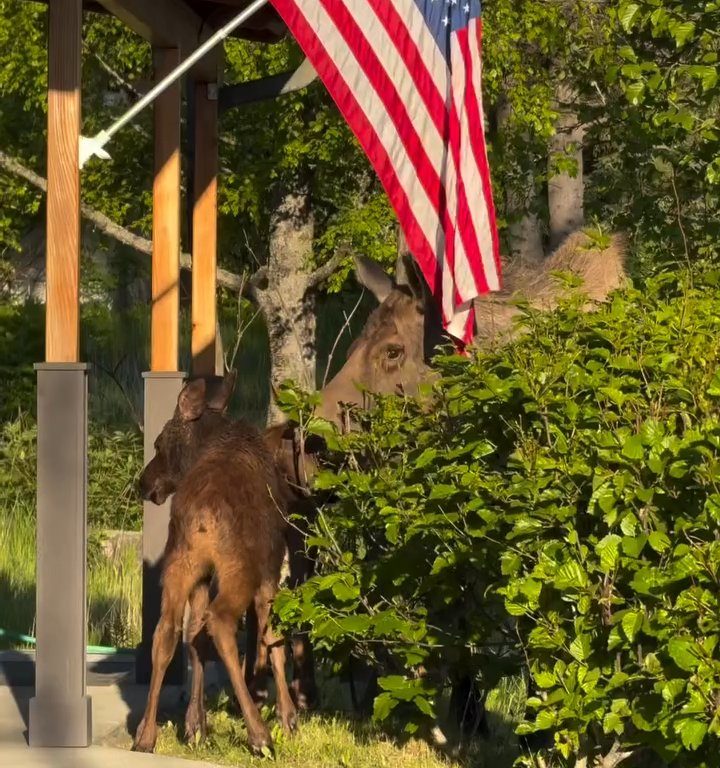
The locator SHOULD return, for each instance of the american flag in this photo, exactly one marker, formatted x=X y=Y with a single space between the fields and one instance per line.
x=407 y=77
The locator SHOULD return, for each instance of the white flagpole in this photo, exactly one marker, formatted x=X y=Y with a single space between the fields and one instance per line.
x=95 y=145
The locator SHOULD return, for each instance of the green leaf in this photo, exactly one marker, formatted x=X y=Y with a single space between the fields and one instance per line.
x=424 y=706
x=684 y=652
x=608 y=549
x=545 y=679
x=682 y=32
x=659 y=541
x=627 y=15
x=570 y=575
x=633 y=447
x=691 y=731
x=383 y=706
x=634 y=545
x=612 y=723
x=580 y=647
x=442 y=491
x=545 y=719
x=344 y=592
x=632 y=622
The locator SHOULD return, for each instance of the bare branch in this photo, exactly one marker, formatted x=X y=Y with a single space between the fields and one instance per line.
x=322 y=273
x=107 y=226
x=348 y=318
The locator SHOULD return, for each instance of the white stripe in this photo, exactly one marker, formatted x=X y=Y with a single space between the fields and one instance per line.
x=485 y=233
x=376 y=114
x=474 y=192
x=433 y=58
x=397 y=71
x=458 y=323
x=463 y=273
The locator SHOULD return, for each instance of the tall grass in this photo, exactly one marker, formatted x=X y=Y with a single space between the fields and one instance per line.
x=114 y=585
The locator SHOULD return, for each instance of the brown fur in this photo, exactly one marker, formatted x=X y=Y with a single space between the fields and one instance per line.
x=227 y=522
x=601 y=271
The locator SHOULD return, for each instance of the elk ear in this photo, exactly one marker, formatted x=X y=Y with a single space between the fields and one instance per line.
x=372 y=276
x=219 y=391
x=191 y=400
x=409 y=274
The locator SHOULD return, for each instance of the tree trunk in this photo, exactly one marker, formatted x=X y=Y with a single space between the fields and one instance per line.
x=566 y=192
x=286 y=298
x=525 y=227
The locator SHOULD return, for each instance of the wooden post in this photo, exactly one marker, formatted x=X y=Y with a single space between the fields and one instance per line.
x=62 y=332
x=204 y=236
x=60 y=712
x=166 y=219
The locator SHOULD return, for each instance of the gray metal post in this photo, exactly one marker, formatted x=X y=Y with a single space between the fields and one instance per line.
x=161 y=393
x=61 y=712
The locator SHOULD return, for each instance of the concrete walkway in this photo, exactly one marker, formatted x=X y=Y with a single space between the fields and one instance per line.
x=113 y=708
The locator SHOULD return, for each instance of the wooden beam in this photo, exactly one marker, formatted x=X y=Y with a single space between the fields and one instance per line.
x=204 y=240
x=62 y=333
x=166 y=220
x=264 y=88
x=164 y=23
x=167 y=24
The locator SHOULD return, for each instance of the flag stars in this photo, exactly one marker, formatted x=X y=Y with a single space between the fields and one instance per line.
x=466 y=8
x=446 y=21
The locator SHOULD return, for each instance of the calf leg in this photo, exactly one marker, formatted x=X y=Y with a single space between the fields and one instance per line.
x=198 y=644
x=285 y=707
x=178 y=579
x=256 y=658
x=233 y=599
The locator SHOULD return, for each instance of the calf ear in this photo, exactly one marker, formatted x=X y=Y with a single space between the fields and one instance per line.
x=219 y=391
x=371 y=275
x=191 y=400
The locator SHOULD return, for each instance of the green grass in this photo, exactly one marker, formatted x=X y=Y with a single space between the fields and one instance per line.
x=335 y=739
x=114 y=585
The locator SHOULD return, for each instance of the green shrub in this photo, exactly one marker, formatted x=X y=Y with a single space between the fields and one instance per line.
x=114 y=463
x=553 y=505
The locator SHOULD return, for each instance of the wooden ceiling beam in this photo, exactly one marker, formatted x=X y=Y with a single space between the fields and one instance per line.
x=168 y=24
x=164 y=23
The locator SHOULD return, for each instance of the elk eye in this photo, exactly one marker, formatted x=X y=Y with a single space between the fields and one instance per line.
x=393 y=352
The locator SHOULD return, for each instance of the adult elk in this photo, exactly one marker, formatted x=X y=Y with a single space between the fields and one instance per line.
x=393 y=353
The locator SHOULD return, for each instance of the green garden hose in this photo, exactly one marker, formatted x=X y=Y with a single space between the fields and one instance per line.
x=18 y=637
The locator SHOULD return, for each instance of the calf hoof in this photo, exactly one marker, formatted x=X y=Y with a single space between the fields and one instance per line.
x=261 y=744
x=304 y=695
x=288 y=720
x=145 y=737
x=195 y=727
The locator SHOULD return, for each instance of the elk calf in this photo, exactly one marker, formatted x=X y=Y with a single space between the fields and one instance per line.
x=226 y=523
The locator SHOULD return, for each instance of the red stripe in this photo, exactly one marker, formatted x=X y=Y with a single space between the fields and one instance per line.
x=464 y=223
x=395 y=107
x=413 y=58
x=473 y=103
x=369 y=140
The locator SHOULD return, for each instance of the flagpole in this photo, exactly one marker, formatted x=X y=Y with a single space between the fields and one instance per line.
x=95 y=145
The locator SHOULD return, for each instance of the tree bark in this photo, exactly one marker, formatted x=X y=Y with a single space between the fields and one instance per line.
x=525 y=228
x=285 y=295
x=566 y=192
